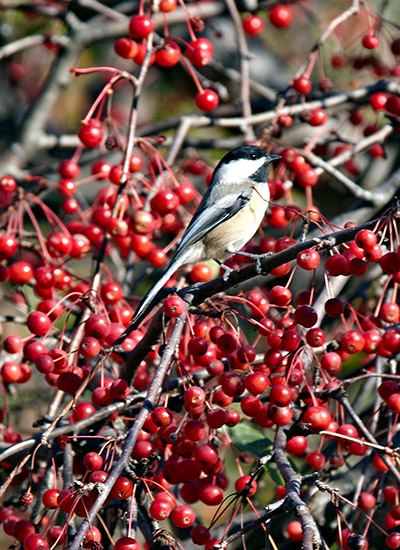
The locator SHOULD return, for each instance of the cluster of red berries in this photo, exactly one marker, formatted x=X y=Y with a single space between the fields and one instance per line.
x=199 y=52
x=279 y=16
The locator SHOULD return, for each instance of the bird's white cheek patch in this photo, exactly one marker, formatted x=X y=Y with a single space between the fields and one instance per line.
x=240 y=169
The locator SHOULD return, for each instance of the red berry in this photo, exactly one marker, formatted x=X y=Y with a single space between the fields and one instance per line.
x=101 y=397
x=357 y=267
x=101 y=169
x=336 y=265
x=174 y=306
x=305 y=316
x=183 y=516
x=279 y=415
x=378 y=101
x=216 y=418
x=294 y=531
x=92 y=461
x=164 y=202
x=390 y=312
x=123 y=488
x=160 y=509
x=338 y=60
x=331 y=362
x=366 y=500
x=200 y=535
x=393 y=403
x=280 y=296
x=169 y=55
x=83 y=410
x=20 y=273
x=307 y=176
x=318 y=417
x=167 y=5
x=211 y=494
x=141 y=54
x=11 y=372
x=91 y=134
x=308 y=259
x=379 y=464
x=69 y=169
x=315 y=460
x=38 y=323
x=7 y=184
x=35 y=541
x=13 y=344
x=200 y=273
x=317 y=117
x=297 y=445
x=111 y=293
x=370 y=41
x=250 y=405
x=374 y=254
x=8 y=246
x=393 y=105
x=257 y=383
x=241 y=484
x=280 y=16
x=206 y=454
x=207 y=100
x=126 y=48
x=59 y=244
x=140 y=26
x=126 y=543
x=281 y=395
x=253 y=25
x=66 y=188
x=24 y=528
x=392 y=541
x=315 y=337
x=200 y=52
x=352 y=341
x=186 y=192
x=49 y=498
x=302 y=85
x=233 y=384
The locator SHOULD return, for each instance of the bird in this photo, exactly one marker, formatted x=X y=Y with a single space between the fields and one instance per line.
x=226 y=219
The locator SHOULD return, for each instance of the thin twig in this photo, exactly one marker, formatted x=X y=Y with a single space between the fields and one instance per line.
x=244 y=68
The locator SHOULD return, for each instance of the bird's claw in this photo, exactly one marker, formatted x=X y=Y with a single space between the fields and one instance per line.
x=227 y=272
x=259 y=269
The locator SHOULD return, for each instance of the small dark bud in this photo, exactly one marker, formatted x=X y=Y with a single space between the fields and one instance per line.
x=111 y=143
x=197 y=24
x=26 y=499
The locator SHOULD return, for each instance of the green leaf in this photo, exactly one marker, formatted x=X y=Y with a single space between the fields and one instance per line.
x=274 y=474
x=249 y=439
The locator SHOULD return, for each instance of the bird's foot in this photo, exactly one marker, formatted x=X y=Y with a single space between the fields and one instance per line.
x=257 y=258
x=227 y=271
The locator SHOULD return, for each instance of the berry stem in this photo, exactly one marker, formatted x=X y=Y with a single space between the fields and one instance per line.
x=188 y=22
x=101 y=98
x=192 y=74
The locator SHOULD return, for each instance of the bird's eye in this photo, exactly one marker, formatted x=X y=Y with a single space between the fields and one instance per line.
x=253 y=156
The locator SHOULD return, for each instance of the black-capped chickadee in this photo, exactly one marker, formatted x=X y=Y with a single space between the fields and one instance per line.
x=227 y=218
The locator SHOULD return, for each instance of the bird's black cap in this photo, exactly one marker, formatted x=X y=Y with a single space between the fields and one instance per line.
x=251 y=152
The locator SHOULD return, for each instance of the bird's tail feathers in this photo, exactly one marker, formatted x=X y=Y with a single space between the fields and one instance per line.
x=149 y=301
x=151 y=298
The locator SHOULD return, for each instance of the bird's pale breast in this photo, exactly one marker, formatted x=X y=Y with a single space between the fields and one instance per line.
x=232 y=235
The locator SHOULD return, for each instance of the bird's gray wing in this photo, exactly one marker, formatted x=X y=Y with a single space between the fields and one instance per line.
x=207 y=218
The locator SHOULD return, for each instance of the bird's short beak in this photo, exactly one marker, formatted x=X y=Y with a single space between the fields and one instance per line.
x=274 y=157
